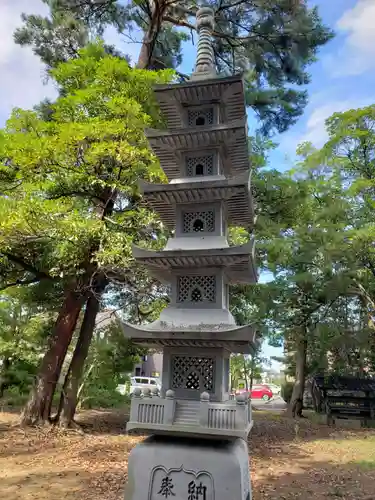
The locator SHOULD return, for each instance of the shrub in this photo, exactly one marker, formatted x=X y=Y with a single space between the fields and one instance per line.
x=286 y=391
x=14 y=397
x=104 y=397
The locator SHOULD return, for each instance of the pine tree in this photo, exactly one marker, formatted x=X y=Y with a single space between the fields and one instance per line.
x=272 y=41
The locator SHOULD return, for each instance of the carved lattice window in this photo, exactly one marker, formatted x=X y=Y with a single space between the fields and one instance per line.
x=196 y=222
x=200 y=117
x=196 y=289
x=195 y=373
x=200 y=165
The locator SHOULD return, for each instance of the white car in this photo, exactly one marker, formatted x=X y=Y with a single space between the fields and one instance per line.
x=144 y=383
x=141 y=382
x=276 y=389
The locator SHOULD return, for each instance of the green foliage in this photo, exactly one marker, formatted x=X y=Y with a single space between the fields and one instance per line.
x=14 y=397
x=286 y=391
x=110 y=359
x=65 y=163
x=324 y=259
x=24 y=328
x=346 y=165
x=248 y=368
x=69 y=177
x=104 y=397
x=239 y=369
x=61 y=177
x=54 y=39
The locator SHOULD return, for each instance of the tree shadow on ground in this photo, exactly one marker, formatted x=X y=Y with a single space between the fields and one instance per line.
x=318 y=480
x=297 y=458
x=273 y=432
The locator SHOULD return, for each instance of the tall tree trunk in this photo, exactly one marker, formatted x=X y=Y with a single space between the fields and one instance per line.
x=4 y=377
x=38 y=408
x=151 y=35
x=69 y=393
x=252 y=368
x=68 y=399
x=296 y=401
x=39 y=405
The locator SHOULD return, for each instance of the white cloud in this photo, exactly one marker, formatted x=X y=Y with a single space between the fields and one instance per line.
x=357 y=55
x=315 y=131
x=21 y=72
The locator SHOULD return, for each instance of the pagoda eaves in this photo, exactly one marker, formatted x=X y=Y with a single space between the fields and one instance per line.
x=237 y=261
x=227 y=92
x=236 y=191
x=228 y=140
x=159 y=334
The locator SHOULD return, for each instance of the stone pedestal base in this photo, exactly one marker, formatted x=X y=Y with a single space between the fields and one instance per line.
x=176 y=469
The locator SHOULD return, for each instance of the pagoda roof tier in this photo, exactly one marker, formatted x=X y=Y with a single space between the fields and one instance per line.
x=237 y=260
x=238 y=339
x=235 y=191
x=227 y=93
x=229 y=139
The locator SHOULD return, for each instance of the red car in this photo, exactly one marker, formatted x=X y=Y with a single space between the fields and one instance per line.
x=258 y=392
x=261 y=392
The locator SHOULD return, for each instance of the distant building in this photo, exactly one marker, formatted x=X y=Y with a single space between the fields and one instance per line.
x=150 y=366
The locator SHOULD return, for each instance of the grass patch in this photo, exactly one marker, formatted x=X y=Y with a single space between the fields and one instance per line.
x=365 y=464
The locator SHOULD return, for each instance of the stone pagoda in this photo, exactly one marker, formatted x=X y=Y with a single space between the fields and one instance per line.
x=198 y=449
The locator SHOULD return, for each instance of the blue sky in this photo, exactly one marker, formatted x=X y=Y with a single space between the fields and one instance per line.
x=343 y=78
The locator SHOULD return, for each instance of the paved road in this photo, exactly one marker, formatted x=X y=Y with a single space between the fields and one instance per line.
x=276 y=403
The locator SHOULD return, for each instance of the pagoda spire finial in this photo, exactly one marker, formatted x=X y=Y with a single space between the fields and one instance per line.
x=204 y=66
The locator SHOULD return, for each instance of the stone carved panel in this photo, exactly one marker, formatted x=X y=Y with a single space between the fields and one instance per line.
x=200 y=117
x=195 y=222
x=199 y=165
x=189 y=372
x=181 y=484
x=195 y=289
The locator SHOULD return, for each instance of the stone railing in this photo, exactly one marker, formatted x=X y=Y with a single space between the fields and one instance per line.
x=149 y=410
x=227 y=415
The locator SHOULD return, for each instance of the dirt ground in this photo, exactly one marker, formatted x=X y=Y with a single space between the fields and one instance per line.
x=287 y=462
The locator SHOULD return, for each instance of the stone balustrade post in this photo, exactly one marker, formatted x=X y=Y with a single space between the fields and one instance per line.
x=136 y=399
x=169 y=407
x=147 y=392
x=241 y=411
x=203 y=409
x=155 y=392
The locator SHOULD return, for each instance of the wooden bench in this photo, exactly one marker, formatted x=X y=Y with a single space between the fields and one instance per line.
x=344 y=395
x=350 y=406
